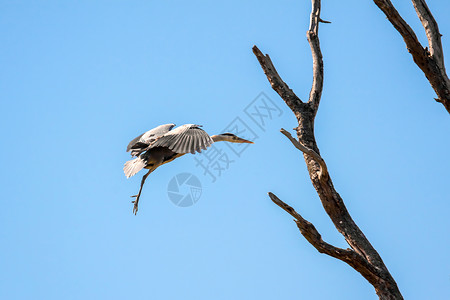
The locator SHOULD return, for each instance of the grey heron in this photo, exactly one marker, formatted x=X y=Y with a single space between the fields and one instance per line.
x=161 y=145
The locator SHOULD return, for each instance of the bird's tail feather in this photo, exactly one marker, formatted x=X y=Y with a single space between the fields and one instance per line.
x=133 y=166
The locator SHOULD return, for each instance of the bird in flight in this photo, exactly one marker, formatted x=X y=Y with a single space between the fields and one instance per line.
x=161 y=145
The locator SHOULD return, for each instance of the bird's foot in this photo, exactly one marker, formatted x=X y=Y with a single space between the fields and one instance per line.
x=135 y=202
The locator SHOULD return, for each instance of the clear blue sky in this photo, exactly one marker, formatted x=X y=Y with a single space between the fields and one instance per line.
x=80 y=79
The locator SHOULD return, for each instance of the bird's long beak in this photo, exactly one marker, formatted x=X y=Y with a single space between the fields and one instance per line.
x=240 y=140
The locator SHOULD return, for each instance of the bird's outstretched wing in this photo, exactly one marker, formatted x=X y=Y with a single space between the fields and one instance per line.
x=189 y=138
x=144 y=140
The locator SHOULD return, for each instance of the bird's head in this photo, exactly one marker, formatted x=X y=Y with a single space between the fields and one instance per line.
x=229 y=137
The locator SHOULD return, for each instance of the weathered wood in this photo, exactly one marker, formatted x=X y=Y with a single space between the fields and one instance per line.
x=430 y=59
x=362 y=256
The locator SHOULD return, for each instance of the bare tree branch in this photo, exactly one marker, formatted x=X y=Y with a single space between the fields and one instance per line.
x=309 y=231
x=430 y=62
x=323 y=166
x=313 y=39
x=431 y=30
x=275 y=80
x=362 y=256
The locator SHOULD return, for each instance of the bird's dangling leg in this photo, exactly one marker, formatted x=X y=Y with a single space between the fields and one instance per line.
x=136 y=202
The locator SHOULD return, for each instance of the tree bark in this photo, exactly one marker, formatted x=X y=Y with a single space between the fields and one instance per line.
x=429 y=59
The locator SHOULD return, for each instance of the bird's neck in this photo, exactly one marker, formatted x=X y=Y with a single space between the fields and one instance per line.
x=218 y=138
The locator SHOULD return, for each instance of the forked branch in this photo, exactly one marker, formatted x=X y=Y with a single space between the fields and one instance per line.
x=430 y=59
x=309 y=231
x=362 y=256
x=323 y=166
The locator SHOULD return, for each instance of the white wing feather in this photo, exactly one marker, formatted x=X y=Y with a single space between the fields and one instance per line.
x=189 y=138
